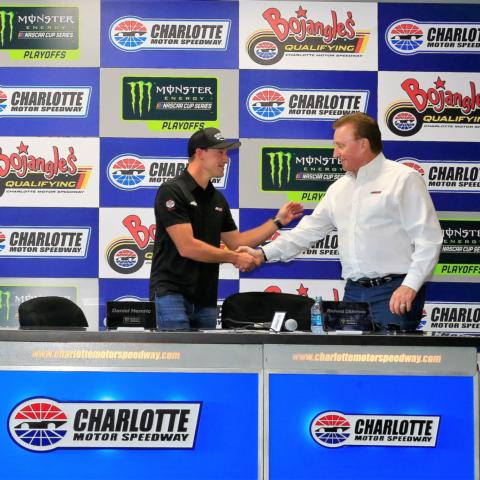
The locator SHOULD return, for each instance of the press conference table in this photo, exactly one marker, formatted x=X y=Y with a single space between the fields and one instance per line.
x=237 y=405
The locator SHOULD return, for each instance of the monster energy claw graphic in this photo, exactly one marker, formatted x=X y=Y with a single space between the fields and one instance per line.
x=5 y=297
x=142 y=87
x=287 y=156
x=4 y=17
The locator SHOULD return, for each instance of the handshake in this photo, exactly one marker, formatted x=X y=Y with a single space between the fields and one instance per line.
x=248 y=259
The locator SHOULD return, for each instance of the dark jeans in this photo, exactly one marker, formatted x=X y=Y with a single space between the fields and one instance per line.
x=175 y=312
x=379 y=297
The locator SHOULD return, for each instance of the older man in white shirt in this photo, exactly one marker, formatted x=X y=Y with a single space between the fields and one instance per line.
x=388 y=231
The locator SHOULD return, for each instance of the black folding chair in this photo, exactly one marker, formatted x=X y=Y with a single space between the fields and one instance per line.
x=51 y=312
x=247 y=309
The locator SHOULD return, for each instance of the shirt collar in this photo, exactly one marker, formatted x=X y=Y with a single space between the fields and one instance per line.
x=192 y=185
x=370 y=169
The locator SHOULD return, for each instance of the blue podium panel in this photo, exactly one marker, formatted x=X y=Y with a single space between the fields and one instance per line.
x=368 y=427
x=128 y=425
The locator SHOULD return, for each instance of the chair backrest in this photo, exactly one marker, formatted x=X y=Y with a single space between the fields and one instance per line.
x=244 y=308
x=51 y=312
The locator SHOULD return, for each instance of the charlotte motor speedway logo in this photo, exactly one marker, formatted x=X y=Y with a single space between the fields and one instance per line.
x=408 y=37
x=270 y=103
x=42 y=242
x=131 y=172
x=43 y=424
x=325 y=249
x=447 y=177
x=301 y=35
x=31 y=101
x=433 y=106
x=133 y=33
x=335 y=429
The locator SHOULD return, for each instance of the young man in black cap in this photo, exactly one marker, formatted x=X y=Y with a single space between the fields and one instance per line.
x=192 y=217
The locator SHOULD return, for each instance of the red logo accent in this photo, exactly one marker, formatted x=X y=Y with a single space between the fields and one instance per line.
x=141 y=234
x=303 y=291
x=23 y=163
x=300 y=29
x=440 y=99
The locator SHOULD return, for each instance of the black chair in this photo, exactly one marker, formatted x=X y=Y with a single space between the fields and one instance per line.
x=52 y=313
x=245 y=309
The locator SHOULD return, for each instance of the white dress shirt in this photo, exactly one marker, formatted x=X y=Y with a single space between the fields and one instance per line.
x=386 y=224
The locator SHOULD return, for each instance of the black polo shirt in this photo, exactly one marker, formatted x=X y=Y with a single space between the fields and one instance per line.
x=182 y=200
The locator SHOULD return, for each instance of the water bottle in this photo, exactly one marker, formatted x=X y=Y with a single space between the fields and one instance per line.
x=317 y=317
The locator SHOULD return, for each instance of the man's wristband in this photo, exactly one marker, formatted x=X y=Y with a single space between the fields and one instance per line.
x=263 y=253
x=278 y=223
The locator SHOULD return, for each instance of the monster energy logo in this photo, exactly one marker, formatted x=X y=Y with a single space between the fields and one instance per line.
x=142 y=87
x=284 y=160
x=5 y=302
x=3 y=23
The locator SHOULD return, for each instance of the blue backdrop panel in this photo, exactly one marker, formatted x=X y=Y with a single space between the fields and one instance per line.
x=415 y=15
x=289 y=428
x=443 y=152
x=53 y=265
x=453 y=292
x=153 y=155
x=216 y=451
x=313 y=269
x=52 y=125
x=111 y=56
x=251 y=80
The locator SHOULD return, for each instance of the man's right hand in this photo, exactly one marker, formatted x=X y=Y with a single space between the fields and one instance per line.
x=256 y=254
x=244 y=262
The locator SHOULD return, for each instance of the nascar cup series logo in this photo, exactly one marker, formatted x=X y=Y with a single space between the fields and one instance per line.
x=43 y=424
x=39 y=32
x=460 y=254
x=131 y=172
x=269 y=104
x=170 y=103
x=304 y=173
x=43 y=242
x=44 y=101
x=302 y=34
x=336 y=429
x=408 y=37
x=433 y=106
x=132 y=34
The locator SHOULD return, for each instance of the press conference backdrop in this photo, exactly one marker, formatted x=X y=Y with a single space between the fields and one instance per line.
x=97 y=99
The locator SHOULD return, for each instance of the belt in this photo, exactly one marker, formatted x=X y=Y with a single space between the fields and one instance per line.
x=375 y=282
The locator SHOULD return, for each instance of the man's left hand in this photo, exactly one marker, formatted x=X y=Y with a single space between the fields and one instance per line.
x=402 y=299
x=290 y=211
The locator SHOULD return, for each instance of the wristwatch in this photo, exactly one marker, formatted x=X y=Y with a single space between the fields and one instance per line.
x=278 y=223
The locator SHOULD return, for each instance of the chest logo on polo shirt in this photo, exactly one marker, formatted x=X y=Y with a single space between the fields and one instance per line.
x=219 y=209
x=194 y=203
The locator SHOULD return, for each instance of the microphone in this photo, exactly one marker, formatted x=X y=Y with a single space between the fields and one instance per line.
x=290 y=325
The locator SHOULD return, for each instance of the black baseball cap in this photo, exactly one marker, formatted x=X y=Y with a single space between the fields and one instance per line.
x=210 y=138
